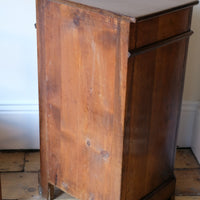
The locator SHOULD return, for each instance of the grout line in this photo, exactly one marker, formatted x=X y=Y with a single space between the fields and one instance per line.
x=24 y=161
x=19 y=150
x=10 y=172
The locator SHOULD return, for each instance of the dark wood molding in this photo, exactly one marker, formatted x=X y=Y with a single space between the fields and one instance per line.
x=162 y=43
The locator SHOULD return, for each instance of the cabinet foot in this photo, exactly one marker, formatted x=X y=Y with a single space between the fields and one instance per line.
x=172 y=197
x=50 y=195
x=43 y=186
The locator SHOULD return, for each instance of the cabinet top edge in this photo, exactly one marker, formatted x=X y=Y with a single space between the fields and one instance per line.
x=131 y=10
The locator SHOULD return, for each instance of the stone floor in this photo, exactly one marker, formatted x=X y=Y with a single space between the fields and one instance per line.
x=19 y=174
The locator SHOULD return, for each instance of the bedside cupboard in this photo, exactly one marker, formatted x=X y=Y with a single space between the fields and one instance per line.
x=111 y=77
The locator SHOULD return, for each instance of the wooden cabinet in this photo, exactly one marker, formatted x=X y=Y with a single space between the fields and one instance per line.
x=111 y=77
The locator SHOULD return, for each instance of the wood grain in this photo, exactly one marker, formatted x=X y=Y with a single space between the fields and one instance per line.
x=32 y=162
x=11 y=161
x=164 y=191
x=184 y=155
x=157 y=28
x=19 y=185
x=188 y=182
x=152 y=111
x=109 y=122
x=86 y=99
x=41 y=22
x=185 y=159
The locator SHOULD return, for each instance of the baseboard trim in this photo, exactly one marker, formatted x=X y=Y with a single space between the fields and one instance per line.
x=186 y=124
x=189 y=127
x=19 y=126
x=196 y=136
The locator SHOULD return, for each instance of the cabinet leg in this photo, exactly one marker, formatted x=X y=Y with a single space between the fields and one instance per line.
x=43 y=186
x=172 y=197
x=50 y=192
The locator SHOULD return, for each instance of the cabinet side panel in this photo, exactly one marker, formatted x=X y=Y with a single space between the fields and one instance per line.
x=86 y=84
x=153 y=105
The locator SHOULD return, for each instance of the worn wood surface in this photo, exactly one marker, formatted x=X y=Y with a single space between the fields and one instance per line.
x=185 y=159
x=19 y=185
x=85 y=100
x=40 y=17
x=133 y=10
x=109 y=122
x=32 y=162
x=11 y=161
x=188 y=182
x=23 y=186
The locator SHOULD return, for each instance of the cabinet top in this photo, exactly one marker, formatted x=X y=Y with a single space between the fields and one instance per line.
x=132 y=9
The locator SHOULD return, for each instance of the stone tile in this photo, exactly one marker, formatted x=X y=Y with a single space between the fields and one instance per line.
x=32 y=162
x=185 y=159
x=20 y=185
x=11 y=161
x=188 y=182
x=187 y=198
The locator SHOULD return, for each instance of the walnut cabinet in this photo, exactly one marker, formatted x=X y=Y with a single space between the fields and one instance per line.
x=111 y=77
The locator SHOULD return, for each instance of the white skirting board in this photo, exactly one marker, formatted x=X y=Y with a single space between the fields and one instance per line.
x=189 y=127
x=19 y=126
x=186 y=124
x=196 y=136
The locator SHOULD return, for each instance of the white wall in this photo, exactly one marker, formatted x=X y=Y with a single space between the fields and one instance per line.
x=18 y=75
x=192 y=79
